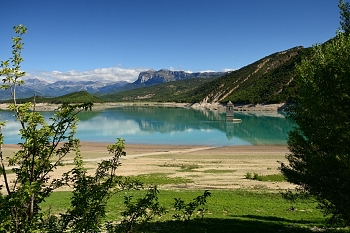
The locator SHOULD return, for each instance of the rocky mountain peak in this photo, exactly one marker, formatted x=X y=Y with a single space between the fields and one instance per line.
x=152 y=77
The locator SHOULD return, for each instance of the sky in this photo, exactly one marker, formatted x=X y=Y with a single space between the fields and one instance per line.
x=114 y=40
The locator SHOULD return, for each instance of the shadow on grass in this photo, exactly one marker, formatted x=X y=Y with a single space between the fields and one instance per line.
x=273 y=219
x=239 y=224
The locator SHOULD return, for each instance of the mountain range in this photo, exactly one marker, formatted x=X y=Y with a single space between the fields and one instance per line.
x=156 y=77
x=59 y=88
x=271 y=79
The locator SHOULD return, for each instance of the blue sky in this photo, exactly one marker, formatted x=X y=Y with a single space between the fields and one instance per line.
x=110 y=40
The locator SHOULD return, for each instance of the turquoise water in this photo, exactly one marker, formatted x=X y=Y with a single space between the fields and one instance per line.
x=179 y=126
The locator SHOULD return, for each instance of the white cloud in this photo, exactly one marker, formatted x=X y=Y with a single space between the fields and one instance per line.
x=107 y=75
x=228 y=70
x=207 y=71
x=112 y=74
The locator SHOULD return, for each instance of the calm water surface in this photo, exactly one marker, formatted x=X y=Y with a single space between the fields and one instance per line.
x=163 y=125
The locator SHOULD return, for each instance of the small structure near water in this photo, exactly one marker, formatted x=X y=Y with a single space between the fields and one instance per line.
x=230 y=114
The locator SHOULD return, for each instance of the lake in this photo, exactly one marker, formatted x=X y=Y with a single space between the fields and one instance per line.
x=168 y=125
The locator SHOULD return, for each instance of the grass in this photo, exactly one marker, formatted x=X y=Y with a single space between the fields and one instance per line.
x=189 y=167
x=217 y=171
x=272 y=178
x=160 y=179
x=227 y=211
x=9 y=171
x=256 y=209
x=184 y=167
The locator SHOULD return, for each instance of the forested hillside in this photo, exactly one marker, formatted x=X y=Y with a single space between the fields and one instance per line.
x=175 y=91
x=270 y=80
x=76 y=97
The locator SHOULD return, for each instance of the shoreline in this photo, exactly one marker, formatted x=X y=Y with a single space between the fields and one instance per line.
x=200 y=106
x=222 y=167
x=97 y=151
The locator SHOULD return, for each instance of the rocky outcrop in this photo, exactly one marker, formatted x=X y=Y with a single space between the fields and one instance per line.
x=152 y=77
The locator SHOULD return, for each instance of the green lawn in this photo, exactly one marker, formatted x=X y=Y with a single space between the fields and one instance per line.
x=227 y=211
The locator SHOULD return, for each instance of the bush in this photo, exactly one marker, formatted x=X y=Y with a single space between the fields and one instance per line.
x=186 y=211
x=320 y=143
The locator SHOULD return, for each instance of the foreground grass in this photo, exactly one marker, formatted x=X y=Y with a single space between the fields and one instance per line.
x=227 y=211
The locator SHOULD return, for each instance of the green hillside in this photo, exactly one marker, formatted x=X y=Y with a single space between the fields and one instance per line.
x=76 y=97
x=175 y=91
x=269 y=80
x=272 y=79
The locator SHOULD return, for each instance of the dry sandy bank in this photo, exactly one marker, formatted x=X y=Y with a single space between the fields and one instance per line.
x=208 y=106
x=215 y=167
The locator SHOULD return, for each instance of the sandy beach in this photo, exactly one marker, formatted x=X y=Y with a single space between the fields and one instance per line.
x=213 y=167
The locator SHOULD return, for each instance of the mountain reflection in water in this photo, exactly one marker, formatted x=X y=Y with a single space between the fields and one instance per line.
x=166 y=125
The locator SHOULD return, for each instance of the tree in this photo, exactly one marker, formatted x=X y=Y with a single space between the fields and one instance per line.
x=344 y=16
x=319 y=159
x=42 y=150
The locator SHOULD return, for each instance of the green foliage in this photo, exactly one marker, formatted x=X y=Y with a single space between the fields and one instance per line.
x=72 y=98
x=319 y=161
x=42 y=150
x=269 y=80
x=273 y=177
x=140 y=211
x=76 y=97
x=189 y=167
x=251 y=176
x=14 y=73
x=214 y=171
x=43 y=147
x=294 y=197
x=91 y=193
x=186 y=211
x=175 y=91
x=344 y=16
x=256 y=176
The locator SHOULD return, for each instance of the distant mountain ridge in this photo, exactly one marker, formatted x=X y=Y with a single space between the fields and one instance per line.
x=152 y=77
x=43 y=88
x=272 y=79
x=59 y=88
